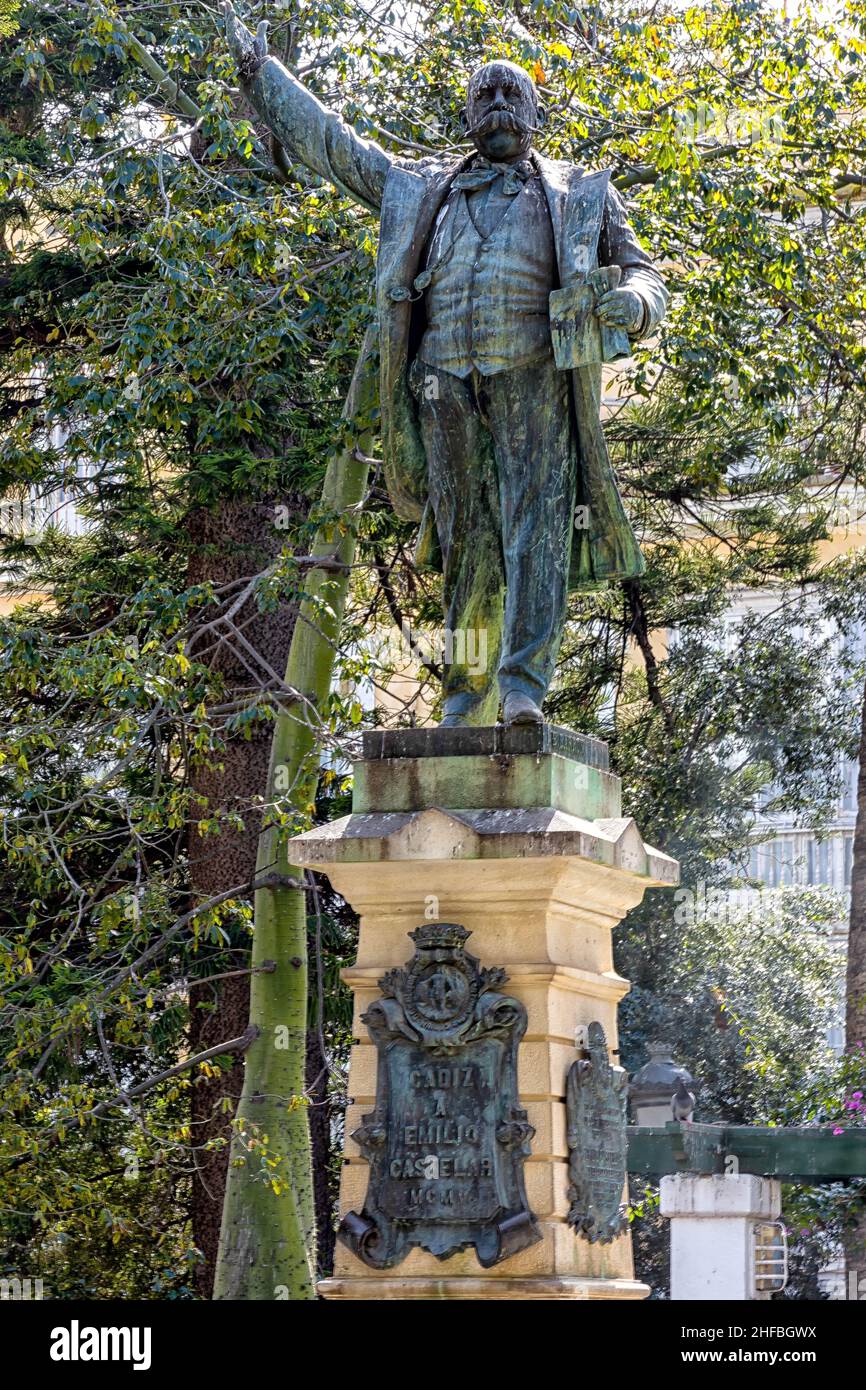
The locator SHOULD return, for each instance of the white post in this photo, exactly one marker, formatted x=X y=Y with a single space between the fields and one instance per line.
x=713 y=1241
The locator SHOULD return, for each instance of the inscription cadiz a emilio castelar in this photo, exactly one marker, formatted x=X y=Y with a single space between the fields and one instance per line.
x=447 y=1140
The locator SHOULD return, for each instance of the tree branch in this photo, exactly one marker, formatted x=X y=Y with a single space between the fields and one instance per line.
x=59 y=1132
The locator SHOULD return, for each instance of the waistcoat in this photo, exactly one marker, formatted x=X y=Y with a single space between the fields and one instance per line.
x=487 y=300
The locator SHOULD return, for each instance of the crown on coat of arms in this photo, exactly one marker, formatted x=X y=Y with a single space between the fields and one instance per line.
x=439 y=935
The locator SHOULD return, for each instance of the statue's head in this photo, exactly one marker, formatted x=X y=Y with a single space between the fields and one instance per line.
x=502 y=111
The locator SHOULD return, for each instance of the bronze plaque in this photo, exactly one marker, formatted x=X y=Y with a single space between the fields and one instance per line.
x=596 y=1096
x=441 y=1151
x=447 y=1140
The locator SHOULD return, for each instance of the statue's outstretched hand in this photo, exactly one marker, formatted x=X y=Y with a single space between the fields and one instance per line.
x=249 y=52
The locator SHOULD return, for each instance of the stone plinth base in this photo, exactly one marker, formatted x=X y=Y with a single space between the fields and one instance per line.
x=715 y=1223
x=548 y=1289
x=517 y=836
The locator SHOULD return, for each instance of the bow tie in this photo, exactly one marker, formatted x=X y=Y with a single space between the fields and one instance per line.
x=484 y=171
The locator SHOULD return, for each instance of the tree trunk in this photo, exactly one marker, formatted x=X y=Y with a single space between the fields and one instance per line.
x=267 y=1242
x=233 y=539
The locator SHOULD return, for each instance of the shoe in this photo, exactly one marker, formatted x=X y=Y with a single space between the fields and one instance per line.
x=457 y=710
x=520 y=709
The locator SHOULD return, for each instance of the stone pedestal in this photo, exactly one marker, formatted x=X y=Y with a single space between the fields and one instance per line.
x=517 y=835
x=716 y=1234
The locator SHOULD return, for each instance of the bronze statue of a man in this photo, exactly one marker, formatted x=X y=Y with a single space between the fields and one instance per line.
x=504 y=280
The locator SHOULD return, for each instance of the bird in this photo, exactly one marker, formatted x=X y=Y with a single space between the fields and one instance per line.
x=682 y=1102
x=260 y=42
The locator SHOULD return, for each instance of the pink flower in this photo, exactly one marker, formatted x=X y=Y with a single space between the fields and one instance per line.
x=838 y=1130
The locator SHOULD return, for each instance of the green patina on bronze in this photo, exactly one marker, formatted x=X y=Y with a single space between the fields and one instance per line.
x=507 y=781
x=537 y=740
x=447 y=1140
x=510 y=478
x=496 y=767
x=596 y=1097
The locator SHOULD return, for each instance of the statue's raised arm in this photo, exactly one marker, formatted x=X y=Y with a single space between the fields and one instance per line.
x=312 y=134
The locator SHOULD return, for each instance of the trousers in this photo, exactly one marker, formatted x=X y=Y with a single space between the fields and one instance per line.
x=502 y=467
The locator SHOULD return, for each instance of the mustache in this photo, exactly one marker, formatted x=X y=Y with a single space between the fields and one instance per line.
x=501 y=120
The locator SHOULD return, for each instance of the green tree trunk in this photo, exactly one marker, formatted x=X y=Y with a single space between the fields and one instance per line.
x=267 y=1241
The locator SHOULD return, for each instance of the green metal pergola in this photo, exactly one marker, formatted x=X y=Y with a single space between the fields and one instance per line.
x=810 y=1155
